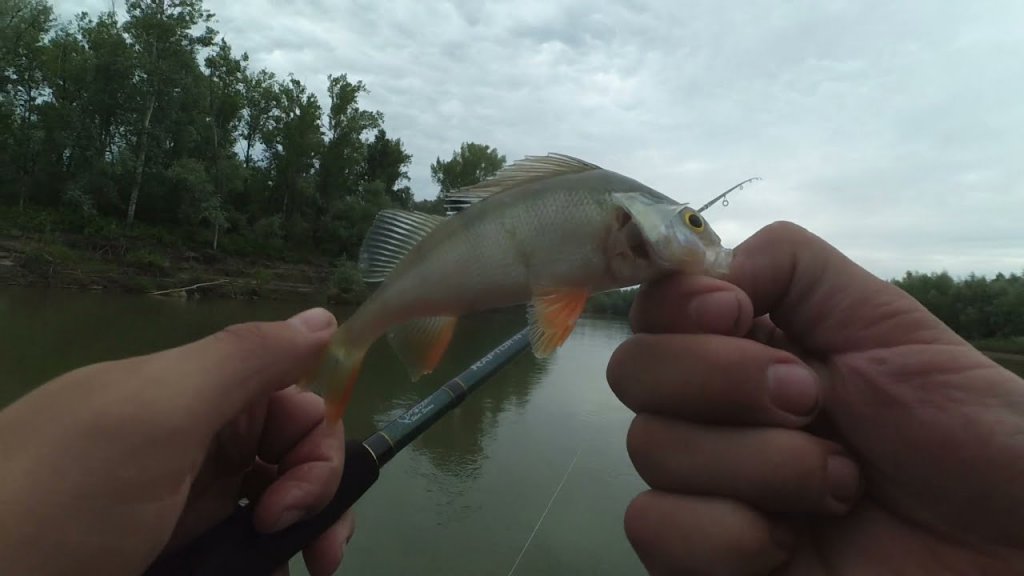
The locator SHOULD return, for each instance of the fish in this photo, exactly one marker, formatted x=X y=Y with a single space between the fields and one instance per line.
x=546 y=231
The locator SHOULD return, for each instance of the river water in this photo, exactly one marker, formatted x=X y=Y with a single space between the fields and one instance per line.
x=466 y=497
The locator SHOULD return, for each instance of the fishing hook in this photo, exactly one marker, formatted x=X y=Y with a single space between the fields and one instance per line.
x=722 y=196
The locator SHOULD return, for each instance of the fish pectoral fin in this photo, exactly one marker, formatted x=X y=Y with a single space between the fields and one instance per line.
x=552 y=316
x=421 y=343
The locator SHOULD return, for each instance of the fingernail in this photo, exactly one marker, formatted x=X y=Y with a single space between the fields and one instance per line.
x=313 y=320
x=793 y=389
x=716 y=312
x=288 y=517
x=843 y=480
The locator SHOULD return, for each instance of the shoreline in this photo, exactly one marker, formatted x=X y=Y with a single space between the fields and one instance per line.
x=34 y=263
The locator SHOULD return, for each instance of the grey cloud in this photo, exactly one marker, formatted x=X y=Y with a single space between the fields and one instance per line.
x=893 y=130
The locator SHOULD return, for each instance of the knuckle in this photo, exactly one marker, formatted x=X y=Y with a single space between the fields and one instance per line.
x=785 y=230
x=637 y=521
x=641 y=444
x=804 y=482
x=635 y=438
x=245 y=334
x=620 y=370
x=249 y=338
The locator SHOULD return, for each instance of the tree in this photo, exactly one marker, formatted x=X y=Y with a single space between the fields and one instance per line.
x=470 y=164
x=387 y=163
x=24 y=25
x=293 y=142
x=165 y=47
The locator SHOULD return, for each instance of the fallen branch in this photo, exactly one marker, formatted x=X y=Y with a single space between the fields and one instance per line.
x=187 y=288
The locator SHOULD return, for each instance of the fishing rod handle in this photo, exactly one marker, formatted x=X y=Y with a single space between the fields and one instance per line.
x=235 y=547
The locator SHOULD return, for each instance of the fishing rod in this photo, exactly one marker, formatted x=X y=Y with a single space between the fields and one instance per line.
x=722 y=196
x=234 y=546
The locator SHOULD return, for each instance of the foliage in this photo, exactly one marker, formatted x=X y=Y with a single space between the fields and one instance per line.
x=346 y=283
x=150 y=132
x=470 y=164
x=975 y=307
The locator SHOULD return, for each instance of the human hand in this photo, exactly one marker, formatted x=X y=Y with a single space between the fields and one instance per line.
x=111 y=465
x=847 y=432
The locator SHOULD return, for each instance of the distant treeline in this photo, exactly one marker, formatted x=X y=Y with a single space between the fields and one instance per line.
x=149 y=129
x=976 y=307
x=612 y=303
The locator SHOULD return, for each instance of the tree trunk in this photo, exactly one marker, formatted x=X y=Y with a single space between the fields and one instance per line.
x=140 y=168
x=216 y=234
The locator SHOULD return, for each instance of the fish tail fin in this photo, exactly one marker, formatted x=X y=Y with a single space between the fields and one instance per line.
x=337 y=375
x=421 y=343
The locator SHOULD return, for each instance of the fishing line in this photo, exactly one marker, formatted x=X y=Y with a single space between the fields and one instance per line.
x=550 y=502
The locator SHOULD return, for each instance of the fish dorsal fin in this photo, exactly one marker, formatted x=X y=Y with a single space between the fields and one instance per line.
x=529 y=169
x=393 y=234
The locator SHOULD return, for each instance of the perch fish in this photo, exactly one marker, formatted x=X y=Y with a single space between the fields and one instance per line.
x=546 y=230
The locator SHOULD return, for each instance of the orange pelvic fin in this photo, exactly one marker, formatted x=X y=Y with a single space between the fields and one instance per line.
x=552 y=315
x=421 y=343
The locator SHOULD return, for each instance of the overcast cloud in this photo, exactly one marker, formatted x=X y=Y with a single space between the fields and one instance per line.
x=895 y=130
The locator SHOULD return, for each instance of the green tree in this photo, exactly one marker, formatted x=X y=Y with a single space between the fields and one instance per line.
x=293 y=142
x=162 y=32
x=387 y=163
x=470 y=164
x=24 y=25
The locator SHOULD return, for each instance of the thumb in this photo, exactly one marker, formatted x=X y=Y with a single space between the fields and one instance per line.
x=225 y=372
x=825 y=302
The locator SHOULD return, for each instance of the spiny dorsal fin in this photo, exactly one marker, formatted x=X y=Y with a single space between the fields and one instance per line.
x=392 y=235
x=529 y=169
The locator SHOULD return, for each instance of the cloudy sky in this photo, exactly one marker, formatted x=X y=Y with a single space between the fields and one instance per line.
x=895 y=130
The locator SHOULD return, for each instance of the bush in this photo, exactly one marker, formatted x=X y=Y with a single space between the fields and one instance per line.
x=148 y=263
x=346 y=284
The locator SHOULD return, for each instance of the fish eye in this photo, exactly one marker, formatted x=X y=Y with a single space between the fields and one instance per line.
x=695 y=221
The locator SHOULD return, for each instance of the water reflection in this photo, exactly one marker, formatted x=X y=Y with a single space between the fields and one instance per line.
x=456 y=445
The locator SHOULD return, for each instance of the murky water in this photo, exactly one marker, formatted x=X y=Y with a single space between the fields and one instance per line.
x=465 y=498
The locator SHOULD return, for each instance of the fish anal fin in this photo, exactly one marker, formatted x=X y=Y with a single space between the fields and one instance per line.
x=391 y=236
x=552 y=316
x=422 y=342
x=529 y=169
x=336 y=378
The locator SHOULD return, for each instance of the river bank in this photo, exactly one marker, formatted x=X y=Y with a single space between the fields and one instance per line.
x=72 y=264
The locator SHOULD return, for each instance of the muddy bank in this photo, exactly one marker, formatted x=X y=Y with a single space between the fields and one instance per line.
x=26 y=262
